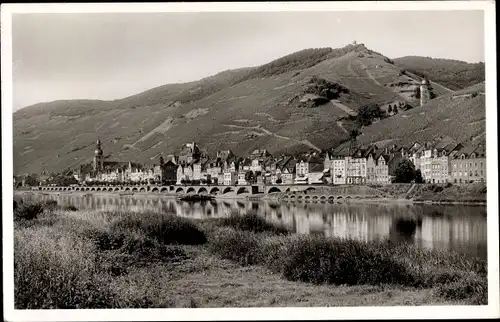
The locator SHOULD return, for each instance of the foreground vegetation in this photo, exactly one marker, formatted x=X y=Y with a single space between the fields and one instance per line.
x=65 y=258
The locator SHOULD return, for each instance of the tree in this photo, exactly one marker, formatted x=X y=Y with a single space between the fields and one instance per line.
x=279 y=181
x=389 y=110
x=404 y=172
x=395 y=109
x=418 y=177
x=367 y=113
x=249 y=176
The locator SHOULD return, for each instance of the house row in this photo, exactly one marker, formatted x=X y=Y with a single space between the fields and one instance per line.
x=440 y=160
x=364 y=165
x=444 y=160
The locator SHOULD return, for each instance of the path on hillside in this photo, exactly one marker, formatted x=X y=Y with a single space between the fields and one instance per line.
x=365 y=68
x=259 y=127
x=341 y=125
x=444 y=87
x=345 y=108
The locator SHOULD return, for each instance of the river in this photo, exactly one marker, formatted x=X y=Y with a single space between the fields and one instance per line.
x=460 y=228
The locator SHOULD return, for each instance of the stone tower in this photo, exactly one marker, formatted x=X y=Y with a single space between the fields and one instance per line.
x=425 y=95
x=98 y=158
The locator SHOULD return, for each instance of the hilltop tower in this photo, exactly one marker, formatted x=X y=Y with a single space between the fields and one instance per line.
x=425 y=94
x=98 y=157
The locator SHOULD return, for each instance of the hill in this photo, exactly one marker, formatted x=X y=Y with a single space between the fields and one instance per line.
x=453 y=74
x=296 y=103
x=460 y=115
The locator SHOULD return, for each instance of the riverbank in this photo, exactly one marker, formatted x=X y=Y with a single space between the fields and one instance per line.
x=91 y=259
x=470 y=194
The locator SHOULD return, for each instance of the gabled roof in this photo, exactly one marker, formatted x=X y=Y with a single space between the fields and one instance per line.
x=316 y=167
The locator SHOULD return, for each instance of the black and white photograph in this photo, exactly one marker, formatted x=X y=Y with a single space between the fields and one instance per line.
x=333 y=159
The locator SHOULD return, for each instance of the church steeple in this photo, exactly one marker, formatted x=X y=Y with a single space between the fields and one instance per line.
x=98 y=157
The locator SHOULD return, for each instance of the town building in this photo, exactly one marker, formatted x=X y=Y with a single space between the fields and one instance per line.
x=469 y=164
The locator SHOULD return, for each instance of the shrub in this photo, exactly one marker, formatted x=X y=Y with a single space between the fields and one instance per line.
x=56 y=270
x=237 y=245
x=448 y=185
x=437 y=189
x=70 y=208
x=467 y=288
x=251 y=221
x=28 y=211
x=166 y=228
x=325 y=260
x=50 y=205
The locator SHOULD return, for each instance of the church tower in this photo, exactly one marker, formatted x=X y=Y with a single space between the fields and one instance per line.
x=425 y=94
x=98 y=158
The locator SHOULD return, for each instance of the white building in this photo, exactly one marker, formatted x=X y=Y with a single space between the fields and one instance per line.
x=355 y=170
x=230 y=178
x=339 y=171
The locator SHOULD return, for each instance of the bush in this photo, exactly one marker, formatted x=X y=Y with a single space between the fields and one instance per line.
x=437 y=189
x=28 y=211
x=166 y=228
x=477 y=289
x=252 y=222
x=50 y=205
x=448 y=185
x=56 y=271
x=237 y=245
x=70 y=208
x=334 y=261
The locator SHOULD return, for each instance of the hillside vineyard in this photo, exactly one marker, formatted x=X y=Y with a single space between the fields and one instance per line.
x=307 y=101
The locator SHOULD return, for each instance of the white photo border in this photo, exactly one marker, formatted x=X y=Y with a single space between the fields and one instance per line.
x=435 y=312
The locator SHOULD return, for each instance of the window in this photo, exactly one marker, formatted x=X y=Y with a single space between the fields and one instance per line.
x=481 y=172
x=470 y=164
x=475 y=164
x=481 y=164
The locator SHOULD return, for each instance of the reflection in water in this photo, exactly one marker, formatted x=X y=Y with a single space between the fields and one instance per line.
x=459 y=228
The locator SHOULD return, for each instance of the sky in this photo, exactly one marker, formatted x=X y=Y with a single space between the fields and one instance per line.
x=114 y=55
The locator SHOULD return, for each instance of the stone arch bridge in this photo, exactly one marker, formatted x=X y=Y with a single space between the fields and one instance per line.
x=289 y=190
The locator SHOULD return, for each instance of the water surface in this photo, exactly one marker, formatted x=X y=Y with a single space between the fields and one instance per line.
x=460 y=228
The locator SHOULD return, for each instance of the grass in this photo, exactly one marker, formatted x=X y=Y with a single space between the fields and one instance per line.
x=80 y=259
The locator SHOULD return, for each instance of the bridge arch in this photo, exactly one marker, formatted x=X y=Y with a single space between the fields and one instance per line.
x=164 y=189
x=77 y=189
x=339 y=197
x=273 y=189
x=214 y=191
x=242 y=190
x=310 y=189
x=134 y=190
x=299 y=197
x=227 y=190
x=127 y=189
x=315 y=197
x=191 y=190
x=203 y=191
x=117 y=189
x=178 y=190
x=307 y=197
x=155 y=189
x=348 y=197
x=110 y=189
